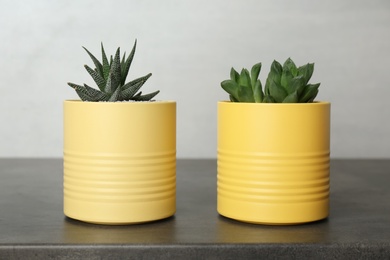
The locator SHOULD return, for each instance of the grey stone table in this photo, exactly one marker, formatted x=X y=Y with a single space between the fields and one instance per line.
x=32 y=224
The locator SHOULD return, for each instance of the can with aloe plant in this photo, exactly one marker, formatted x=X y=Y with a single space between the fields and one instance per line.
x=273 y=147
x=119 y=148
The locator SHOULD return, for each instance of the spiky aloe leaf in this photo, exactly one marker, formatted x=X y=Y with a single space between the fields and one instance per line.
x=109 y=76
x=132 y=87
x=142 y=79
x=108 y=88
x=96 y=94
x=126 y=65
x=87 y=93
x=81 y=91
x=129 y=93
x=100 y=82
x=98 y=65
x=105 y=64
x=146 y=97
x=115 y=71
x=138 y=94
x=115 y=96
x=122 y=65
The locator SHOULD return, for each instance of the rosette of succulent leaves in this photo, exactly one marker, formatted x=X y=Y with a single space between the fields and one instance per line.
x=284 y=84
x=110 y=77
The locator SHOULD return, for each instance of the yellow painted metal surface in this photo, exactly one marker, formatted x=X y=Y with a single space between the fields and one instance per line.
x=273 y=162
x=119 y=161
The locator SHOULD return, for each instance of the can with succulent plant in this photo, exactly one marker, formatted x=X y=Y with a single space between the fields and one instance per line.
x=119 y=148
x=273 y=147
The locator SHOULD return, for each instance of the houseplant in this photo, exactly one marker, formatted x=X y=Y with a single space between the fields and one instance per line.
x=119 y=152
x=273 y=147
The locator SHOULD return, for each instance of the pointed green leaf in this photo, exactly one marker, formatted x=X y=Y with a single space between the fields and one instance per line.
x=113 y=79
x=96 y=94
x=268 y=99
x=255 y=71
x=231 y=87
x=115 y=70
x=295 y=84
x=258 y=92
x=100 y=82
x=123 y=67
x=309 y=93
x=290 y=66
x=313 y=96
x=126 y=65
x=234 y=75
x=285 y=80
x=245 y=94
x=114 y=84
x=98 y=65
x=136 y=81
x=106 y=65
x=115 y=96
x=306 y=71
x=146 y=97
x=245 y=80
x=130 y=90
x=82 y=92
x=232 y=99
x=292 y=98
x=274 y=75
x=277 y=92
x=108 y=88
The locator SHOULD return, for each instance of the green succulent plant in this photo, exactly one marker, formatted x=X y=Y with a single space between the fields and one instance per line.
x=110 y=77
x=284 y=84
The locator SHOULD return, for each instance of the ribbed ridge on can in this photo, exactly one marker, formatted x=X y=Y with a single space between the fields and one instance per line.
x=119 y=178
x=273 y=178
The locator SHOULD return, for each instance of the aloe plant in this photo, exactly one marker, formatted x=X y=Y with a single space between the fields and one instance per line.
x=284 y=84
x=110 y=77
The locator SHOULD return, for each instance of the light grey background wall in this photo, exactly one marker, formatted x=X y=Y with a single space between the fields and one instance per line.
x=190 y=46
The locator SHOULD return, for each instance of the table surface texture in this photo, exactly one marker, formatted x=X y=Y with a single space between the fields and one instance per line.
x=33 y=226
